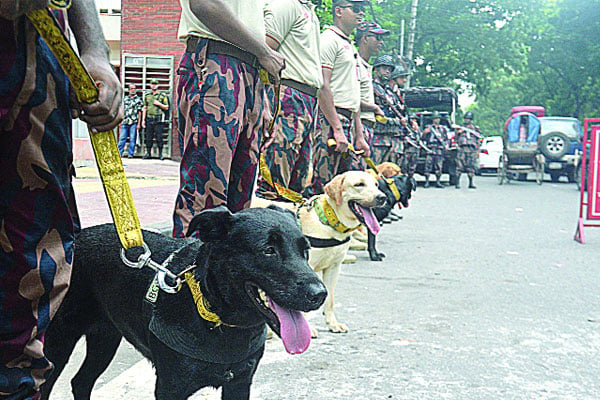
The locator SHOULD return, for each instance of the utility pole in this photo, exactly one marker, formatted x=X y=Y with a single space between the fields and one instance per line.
x=411 y=34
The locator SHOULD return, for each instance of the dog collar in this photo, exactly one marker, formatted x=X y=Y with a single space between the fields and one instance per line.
x=327 y=216
x=394 y=188
x=202 y=304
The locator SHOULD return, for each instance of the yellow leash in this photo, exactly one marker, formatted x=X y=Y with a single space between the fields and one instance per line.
x=110 y=166
x=281 y=190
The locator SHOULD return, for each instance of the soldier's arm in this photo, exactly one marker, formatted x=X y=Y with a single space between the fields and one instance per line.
x=217 y=17
x=107 y=112
x=163 y=103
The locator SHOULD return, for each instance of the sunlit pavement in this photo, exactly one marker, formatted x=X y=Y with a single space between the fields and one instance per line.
x=483 y=295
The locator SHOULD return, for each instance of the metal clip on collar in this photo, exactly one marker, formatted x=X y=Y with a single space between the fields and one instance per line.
x=161 y=271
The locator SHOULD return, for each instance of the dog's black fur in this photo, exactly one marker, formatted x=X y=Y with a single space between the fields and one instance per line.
x=106 y=302
x=405 y=186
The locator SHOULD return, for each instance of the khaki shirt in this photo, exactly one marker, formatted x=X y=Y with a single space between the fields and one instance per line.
x=250 y=12
x=339 y=55
x=151 y=109
x=294 y=25
x=366 y=88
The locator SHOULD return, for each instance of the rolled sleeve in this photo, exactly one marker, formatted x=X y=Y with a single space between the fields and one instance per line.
x=279 y=19
x=328 y=52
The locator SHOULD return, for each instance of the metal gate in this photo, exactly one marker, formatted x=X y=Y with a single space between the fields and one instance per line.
x=139 y=69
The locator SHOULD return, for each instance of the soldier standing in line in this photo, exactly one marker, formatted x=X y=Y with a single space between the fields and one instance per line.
x=155 y=104
x=411 y=146
x=292 y=28
x=382 y=136
x=468 y=146
x=436 y=138
x=220 y=90
x=339 y=99
x=369 y=38
x=397 y=81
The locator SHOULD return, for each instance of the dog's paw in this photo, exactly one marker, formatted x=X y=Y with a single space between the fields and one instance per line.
x=338 y=327
x=313 y=333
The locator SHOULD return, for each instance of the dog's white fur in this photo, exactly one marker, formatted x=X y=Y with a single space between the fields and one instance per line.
x=356 y=186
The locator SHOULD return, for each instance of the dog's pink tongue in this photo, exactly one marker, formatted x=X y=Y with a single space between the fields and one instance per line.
x=370 y=220
x=295 y=332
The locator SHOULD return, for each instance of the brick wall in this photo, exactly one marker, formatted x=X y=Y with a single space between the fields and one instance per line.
x=150 y=27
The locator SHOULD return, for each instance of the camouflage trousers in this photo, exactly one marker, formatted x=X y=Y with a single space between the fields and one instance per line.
x=466 y=160
x=434 y=162
x=37 y=207
x=358 y=163
x=381 y=147
x=288 y=157
x=409 y=159
x=396 y=151
x=220 y=105
x=327 y=162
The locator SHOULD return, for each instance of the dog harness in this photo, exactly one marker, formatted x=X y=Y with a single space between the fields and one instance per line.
x=319 y=243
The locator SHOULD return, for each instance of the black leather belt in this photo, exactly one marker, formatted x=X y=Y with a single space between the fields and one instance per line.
x=342 y=111
x=303 y=87
x=368 y=123
x=218 y=47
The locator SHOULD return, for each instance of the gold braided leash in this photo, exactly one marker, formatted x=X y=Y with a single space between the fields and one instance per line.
x=110 y=166
x=281 y=190
x=104 y=144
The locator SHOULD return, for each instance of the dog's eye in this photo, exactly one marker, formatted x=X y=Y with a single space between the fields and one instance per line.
x=359 y=184
x=270 y=251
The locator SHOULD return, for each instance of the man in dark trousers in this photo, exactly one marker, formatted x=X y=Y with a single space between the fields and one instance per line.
x=155 y=105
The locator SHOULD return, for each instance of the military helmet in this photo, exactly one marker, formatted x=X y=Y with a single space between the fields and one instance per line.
x=468 y=115
x=399 y=70
x=435 y=114
x=384 y=59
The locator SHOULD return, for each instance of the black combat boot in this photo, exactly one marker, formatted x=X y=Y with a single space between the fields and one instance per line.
x=427 y=181
x=471 y=185
x=148 y=152
x=160 y=155
x=438 y=184
x=457 y=182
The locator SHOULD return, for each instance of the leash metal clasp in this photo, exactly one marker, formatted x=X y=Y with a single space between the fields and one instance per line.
x=162 y=272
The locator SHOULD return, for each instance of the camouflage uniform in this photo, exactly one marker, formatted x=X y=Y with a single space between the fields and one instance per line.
x=381 y=145
x=400 y=109
x=411 y=152
x=38 y=219
x=295 y=27
x=220 y=121
x=288 y=157
x=467 y=153
x=327 y=162
x=436 y=140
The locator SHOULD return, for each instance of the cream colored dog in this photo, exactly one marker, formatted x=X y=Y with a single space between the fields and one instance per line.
x=329 y=219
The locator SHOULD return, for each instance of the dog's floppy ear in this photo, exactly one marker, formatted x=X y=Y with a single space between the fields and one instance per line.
x=211 y=224
x=334 y=189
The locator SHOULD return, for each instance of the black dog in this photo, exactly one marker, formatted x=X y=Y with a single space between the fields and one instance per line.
x=405 y=186
x=251 y=268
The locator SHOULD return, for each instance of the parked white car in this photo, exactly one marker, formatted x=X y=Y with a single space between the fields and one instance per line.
x=489 y=154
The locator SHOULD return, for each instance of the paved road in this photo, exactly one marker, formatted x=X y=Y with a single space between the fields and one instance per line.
x=483 y=295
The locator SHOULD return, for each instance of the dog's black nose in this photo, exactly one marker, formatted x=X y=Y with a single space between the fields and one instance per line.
x=316 y=293
x=380 y=199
